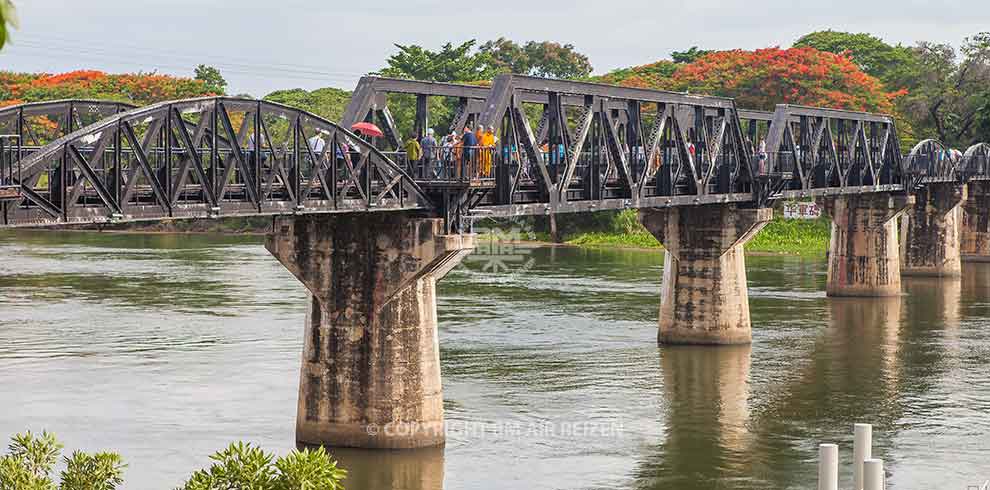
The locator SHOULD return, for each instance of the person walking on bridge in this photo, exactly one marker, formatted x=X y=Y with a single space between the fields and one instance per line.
x=414 y=153
x=469 y=142
x=428 y=145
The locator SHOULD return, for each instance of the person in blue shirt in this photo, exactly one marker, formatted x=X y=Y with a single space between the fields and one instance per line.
x=470 y=143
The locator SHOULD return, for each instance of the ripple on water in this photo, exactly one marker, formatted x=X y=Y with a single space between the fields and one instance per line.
x=192 y=342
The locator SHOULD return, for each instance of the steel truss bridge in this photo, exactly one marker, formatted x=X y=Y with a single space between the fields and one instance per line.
x=563 y=147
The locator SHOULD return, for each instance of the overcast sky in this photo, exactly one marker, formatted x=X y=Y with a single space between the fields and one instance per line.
x=264 y=45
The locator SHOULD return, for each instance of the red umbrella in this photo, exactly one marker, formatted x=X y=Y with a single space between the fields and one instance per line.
x=368 y=129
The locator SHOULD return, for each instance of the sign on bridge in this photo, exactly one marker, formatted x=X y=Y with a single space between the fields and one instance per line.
x=802 y=210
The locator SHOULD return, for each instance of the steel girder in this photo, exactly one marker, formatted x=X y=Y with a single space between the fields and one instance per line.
x=369 y=102
x=606 y=147
x=975 y=163
x=812 y=151
x=930 y=162
x=206 y=157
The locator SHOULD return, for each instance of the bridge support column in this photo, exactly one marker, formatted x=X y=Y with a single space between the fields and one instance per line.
x=975 y=229
x=930 y=232
x=863 y=258
x=371 y=365
x=703 y=298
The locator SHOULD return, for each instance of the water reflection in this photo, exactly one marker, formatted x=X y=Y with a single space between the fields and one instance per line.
x=418 y=469
x=707 y=441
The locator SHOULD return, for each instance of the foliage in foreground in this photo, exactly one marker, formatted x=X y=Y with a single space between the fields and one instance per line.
x=247 y=467
x=31 y=461
x=8 y=19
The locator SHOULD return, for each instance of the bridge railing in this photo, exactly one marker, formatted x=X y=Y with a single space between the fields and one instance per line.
x=10 y=169
x=473 y=165
x=780 y=165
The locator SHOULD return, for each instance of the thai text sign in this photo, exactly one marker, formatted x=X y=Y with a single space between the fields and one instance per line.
x=802 y=210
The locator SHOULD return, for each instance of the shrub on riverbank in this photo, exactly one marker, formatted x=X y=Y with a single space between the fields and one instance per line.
x=243 y=465
x=31 y=461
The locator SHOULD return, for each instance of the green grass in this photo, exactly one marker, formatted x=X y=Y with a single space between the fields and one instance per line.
x=607 y=239
x=782 y=236
x=792 y=236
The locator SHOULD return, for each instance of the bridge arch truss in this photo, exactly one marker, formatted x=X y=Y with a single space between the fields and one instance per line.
x=205 y=157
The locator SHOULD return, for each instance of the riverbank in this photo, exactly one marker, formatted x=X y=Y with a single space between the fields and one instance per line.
x=780 y=236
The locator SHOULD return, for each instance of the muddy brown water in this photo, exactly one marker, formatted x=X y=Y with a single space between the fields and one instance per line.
x=168 y=347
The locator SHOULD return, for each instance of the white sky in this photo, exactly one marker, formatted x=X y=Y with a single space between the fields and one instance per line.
x=264 y=45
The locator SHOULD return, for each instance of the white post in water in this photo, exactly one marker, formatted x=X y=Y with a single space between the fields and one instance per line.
x=873 y=474
x=862 y=451
x=828 y=467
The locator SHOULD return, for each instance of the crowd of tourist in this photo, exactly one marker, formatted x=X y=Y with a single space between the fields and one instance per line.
x=453 y=156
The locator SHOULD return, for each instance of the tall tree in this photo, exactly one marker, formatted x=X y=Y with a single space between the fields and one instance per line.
x=212 y=77
x=896 y=66
x=328 y=102
x=450 y=64
x=763 y=78
x=550 y=59
x=949 y=98
x=8 y=19
x=540 y=58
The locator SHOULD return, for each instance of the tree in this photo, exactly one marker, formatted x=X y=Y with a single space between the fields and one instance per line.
x=949 y=97
x=328 y=103
x=690 y=55
x=550 y=59
x=895 y=66
x=654 y=75
x=505 y=56
x=32 y=459
x=243 y=466
x=8 y=19
x=762 y=78
x=212 y=77
x=137 y=88
x=539 y=58
x=450 y=64
x=464 y=64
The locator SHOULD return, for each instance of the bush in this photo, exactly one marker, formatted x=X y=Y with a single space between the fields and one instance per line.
x=240 y=466
x=245 y=467
x=31 y=461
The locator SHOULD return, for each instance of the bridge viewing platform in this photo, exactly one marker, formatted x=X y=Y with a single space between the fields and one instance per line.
x=369 y=230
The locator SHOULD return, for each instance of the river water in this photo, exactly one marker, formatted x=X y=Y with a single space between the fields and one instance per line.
x=166 y=348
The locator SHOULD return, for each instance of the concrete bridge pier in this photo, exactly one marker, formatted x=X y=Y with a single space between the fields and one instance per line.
x=370 y=373
x=930 y=232
x=975 y=229
x=703 y=298
x=863 y=257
